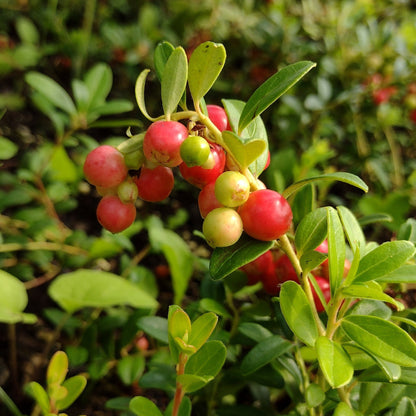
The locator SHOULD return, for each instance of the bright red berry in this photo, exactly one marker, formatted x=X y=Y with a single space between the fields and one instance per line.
x=260 y=267
x=114 y=215
x=162 y=142
x=383 y=95
x=284 y=269
x=199 y=176
x=207 y=200
x=266 y=215
x=218 y=116
x=104 y=167
x=323 y=269
x=154 y=185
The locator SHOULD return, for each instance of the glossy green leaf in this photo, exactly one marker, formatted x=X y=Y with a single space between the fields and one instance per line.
x=211 y=305
x=352 y=228
x=8 y=149
x=179 y=324
x=174 y=78
x=271 y=90
x=254 y=331
x=391 y=370
x=191 y=382
x=208 y=360
x=139 y=93
x=202 y=328
x=334 y=362
x=303 y=202
x=381 y=338
x=61 y=167
x=337 y=176
x=185 y=408
x=57 y=368
x=403 y=274
x=336 y=249
x=113 y=107
x=74 y=386
x=298 y=312
x=162 y=53
x=130 y=368
x=383 y=260
x=38 y=393
x=263 y=353
x=371 y=307
x=376 y=374
x=405 y=407
x=310 y=260
x=99 y=80
x=343 y=409
x=77 y=290
x=13 y=300
x=142 y=406
x=205 y=64
x=314 y=395
x=155 y=326
x=228 y=259
x=246 y=151
x=311 y=231
x=370 y=290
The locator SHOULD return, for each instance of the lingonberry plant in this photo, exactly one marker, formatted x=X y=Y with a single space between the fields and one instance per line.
x=331 y=332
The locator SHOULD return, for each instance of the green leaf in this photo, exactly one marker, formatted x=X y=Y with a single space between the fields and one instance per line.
x=405 y=407
x=314 y=395
x=112 y=107
x=185 y=407
x=383 y=260
x=51 y=90
x=228 y=259
x=205 y=64
x=298 y=312
x=271 y=90
x=336 y=176
x=352 y=228
x=38 y=393
x=211 y=305
x=343 y=409
x=334 y=362
x=310 y=260
x=403 y=274
x=208 y=360
x=75 y=386
x=178 y=256
x=7 y=148
x=162 y=53
x=155 y=326
x=311 y=231
x=254 y=331
x=99 y=80
x=336 y=249
x=13 y=300
x=376 y=374
x=191 y=383
x=140 y=96
x=246 y=151
x=263 y=353
x=179 y=327
x=130 y=368
x=174 y=78
x=61 y=167
x=370 y=290
x=202 y=328
x=381 y=338
x=81 y=94
x=94 y=288
x=142 y=406
x=57 y=368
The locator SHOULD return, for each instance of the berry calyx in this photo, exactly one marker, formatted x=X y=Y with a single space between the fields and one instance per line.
x=198 y=175
x=104 y=167
x=222 y=227
x=114 y=215
x=195 y=151
x=162 y=142
x=266 y=215
x=218 y=116
x=154 y=185
x=232 y=189
x=207 y=201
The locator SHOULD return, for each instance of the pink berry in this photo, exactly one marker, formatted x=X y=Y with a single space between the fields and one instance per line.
x=156 y=184
x=207 y=201
x=162 y=142
x=266 y=215
x=104 y=167
x=218 y=116
x=114 y=215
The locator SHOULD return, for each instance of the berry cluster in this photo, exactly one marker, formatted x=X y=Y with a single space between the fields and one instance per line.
x=229 y=201
x=273 y=268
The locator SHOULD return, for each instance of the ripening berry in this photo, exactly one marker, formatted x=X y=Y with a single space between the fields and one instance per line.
x=104 y=167
x=155 y=185
x=127 y=192
x=266 y=215
x=222 y=227
x=162 y=142
x=232 y=189
x=218 y=116
x=259 y=268
x=207 y=200
x=114 y=215
x=284 y=269
x=195 y=151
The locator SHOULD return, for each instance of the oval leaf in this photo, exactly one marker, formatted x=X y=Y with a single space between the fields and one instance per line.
x=191 y=383
x=352 y=228
x=75 y=386
x=141 y=406
x=381 y=338
x=336 y=249
x=334 y=362
x=175 y=75
x=202 y=328
x=298 y=312
x=271 y=90
x=205 y=64
x=162 y=53
x=94 y=288
x=139 y=92
x=57 y=368
x=404 y=274
x=98 y=80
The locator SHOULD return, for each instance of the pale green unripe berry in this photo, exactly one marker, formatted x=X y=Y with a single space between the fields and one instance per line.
x=127 y=192
x=232 y=189
x=222 y=227
x=194 y=151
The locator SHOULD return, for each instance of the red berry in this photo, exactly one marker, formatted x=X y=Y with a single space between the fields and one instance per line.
x=199 y=176
x=162 y=142
x=258 y=268
x=104 y=167
x=218 y=116
x=142 y=343
x=323 y=269
x=266 y=215
x=154 y=185
x=114 y=215
x=207 y=200
x=326 y=291
x=284 y=269
x=413 y=116
x=383 y=95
